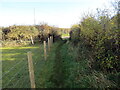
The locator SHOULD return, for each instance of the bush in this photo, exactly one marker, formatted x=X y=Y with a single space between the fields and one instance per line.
x=107 y=52
x=100 y=37
x=75 y=34
x=45 y=31
x=22 y=33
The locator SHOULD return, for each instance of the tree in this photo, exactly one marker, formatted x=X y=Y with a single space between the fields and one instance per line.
x=22 y=32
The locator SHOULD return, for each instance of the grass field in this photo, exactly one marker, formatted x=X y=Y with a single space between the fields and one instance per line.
x=14 y=64
x=66 y=67
x=65 y=35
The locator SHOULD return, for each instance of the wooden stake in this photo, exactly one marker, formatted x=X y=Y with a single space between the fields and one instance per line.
x=45 y=52
x=48 y=44
x=32 y=40
x=50 y=41
x=31 y=70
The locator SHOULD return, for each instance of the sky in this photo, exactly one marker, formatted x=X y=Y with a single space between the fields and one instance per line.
x=60 y=13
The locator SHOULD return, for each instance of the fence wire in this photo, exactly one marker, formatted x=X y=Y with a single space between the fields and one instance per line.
x=12 y=81
x=14 y=76
x=25 y=78
x=11 y=69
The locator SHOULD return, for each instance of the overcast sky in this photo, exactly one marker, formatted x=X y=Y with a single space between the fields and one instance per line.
x=61 y=13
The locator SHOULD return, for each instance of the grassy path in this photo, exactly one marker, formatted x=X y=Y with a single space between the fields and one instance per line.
x=58 y=68
x=71 y=69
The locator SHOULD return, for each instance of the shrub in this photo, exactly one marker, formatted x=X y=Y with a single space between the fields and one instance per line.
x=75 y=34
x=46 y=31
x=102 y=37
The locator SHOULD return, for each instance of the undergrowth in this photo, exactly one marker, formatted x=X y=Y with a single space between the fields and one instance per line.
x=77 y=69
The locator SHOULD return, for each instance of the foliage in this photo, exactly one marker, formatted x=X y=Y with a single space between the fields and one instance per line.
x=26 y=33
x=75 y=33
x=20 y=32
x=77 y=73
x=45 y=31
x=102 y=37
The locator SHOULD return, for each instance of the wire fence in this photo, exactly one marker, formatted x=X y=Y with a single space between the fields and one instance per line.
x=15 y=75
x=19 y=75
x=10 y=69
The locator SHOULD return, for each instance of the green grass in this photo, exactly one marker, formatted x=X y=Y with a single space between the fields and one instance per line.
x=65 y=35
x=67 y=66
x=16 y=57
x=47 y=69
x=77 y=69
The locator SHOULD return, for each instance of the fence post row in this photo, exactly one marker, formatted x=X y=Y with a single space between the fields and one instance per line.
x=31 y=69
x=30 y=63
x=45 y=52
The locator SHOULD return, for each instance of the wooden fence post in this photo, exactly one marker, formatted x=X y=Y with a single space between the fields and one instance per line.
x=31 y=69
x=45 y=52
x=48 y=44
x=50 y=41
x=32 y=40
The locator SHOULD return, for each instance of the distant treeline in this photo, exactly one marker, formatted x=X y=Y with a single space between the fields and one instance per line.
x=26 y=33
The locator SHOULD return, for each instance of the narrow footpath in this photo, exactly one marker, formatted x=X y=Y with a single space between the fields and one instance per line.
x=58 y=76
